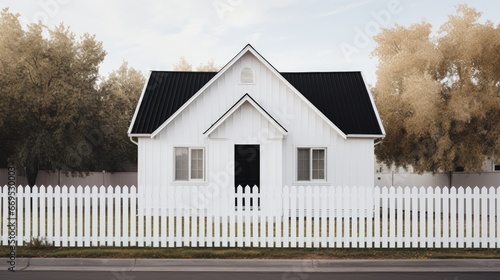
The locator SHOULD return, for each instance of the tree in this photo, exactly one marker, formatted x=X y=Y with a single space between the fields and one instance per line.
x=119 y=93
x=183 y=65
x=48 y=85
x=439 y=96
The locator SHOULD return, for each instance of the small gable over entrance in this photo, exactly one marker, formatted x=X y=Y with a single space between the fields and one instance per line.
x=246 y=119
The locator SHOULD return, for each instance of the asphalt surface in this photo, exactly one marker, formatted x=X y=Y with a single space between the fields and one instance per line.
x=162 y=275
x=259 y=265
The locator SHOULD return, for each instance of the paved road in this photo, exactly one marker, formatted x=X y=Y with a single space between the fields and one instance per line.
x=150 y=275
x=141 y=269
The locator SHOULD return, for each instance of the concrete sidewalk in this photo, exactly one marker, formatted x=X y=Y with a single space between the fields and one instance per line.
x=69 y=264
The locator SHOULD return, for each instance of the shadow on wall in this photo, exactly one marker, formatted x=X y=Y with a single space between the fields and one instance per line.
x=94 y=178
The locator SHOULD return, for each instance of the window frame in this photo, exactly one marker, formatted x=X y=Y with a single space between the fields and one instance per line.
x=190 y=170
x=241 y=76
x=495 y=166
x=310 y=154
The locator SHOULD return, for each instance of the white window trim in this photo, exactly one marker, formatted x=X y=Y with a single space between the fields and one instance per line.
x=493 y=167
x=190 y=180
x=314 y=181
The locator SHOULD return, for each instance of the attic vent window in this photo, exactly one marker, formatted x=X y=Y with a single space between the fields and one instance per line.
x=247 y=76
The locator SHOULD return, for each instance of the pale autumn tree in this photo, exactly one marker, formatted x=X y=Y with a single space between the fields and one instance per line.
x=210 y=66
x=439 y=96
x=48 y=89
x=184 y=65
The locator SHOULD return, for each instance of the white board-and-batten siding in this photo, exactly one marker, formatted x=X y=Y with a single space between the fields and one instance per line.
x=349 y=161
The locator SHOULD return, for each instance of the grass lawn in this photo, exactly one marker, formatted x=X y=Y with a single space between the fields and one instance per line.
x=251 y=253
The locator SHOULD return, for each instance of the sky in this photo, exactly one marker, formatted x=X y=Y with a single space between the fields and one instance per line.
x=293 y=35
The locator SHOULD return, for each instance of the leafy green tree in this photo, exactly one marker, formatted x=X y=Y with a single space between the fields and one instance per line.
x=439 y=96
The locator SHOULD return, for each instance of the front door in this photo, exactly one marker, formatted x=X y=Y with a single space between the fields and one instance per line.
x=247 y=166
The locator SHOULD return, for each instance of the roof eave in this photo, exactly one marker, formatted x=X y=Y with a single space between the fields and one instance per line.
x=139 y=135
x=367 y=136
x=129 y=131
x=370 y=95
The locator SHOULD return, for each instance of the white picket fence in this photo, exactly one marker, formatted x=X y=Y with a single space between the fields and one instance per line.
x=319 y=217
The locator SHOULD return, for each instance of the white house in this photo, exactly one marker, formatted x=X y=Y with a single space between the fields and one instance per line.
x=250 y=124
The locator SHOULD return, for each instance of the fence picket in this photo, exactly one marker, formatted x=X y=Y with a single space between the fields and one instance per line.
x=64 y=215
x=87 y=226
x=497 y=198
x=392 y=217
x=57 y=216
x=430 y=217
x=399 y=217
x=414 y=218
x=468 y=217
x=476 y=216
x=308 y=212
x=246 y=213
x=437 y=218
x=316 y=216
x=293 y=216
x=446 y=217
x=369 y=200
x=338 y=217
x=72 y=216
x=33 y=202
x=484 y=217
x=346 y=217
x=42 y=212
x=376 y=219
x=125 y=222
x=353 y=216
x=303 y=216
x=94 y=213
x=155 y=215
x=323 y=216
x=492 y=234
x=255 y=220
x=385 y=217
x=460 y=217
x=79 y=216
x=453 y=217
x=20 y=216
x=102 y=215
x=239 y=211
x=422 y=211
x=407 y=220
x=50 y=213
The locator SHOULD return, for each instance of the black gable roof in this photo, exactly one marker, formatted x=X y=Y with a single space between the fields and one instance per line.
x=165 y=93
x=341 y=96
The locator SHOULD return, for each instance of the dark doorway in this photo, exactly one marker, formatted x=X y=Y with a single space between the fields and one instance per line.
x=247 y=166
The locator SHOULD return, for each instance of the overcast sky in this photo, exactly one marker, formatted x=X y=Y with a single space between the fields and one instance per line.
x=293 y=35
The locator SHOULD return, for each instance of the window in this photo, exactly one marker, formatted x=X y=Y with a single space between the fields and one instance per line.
x=311 y=164
x=496 y=167
x=189 y=164
x=246 y=76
